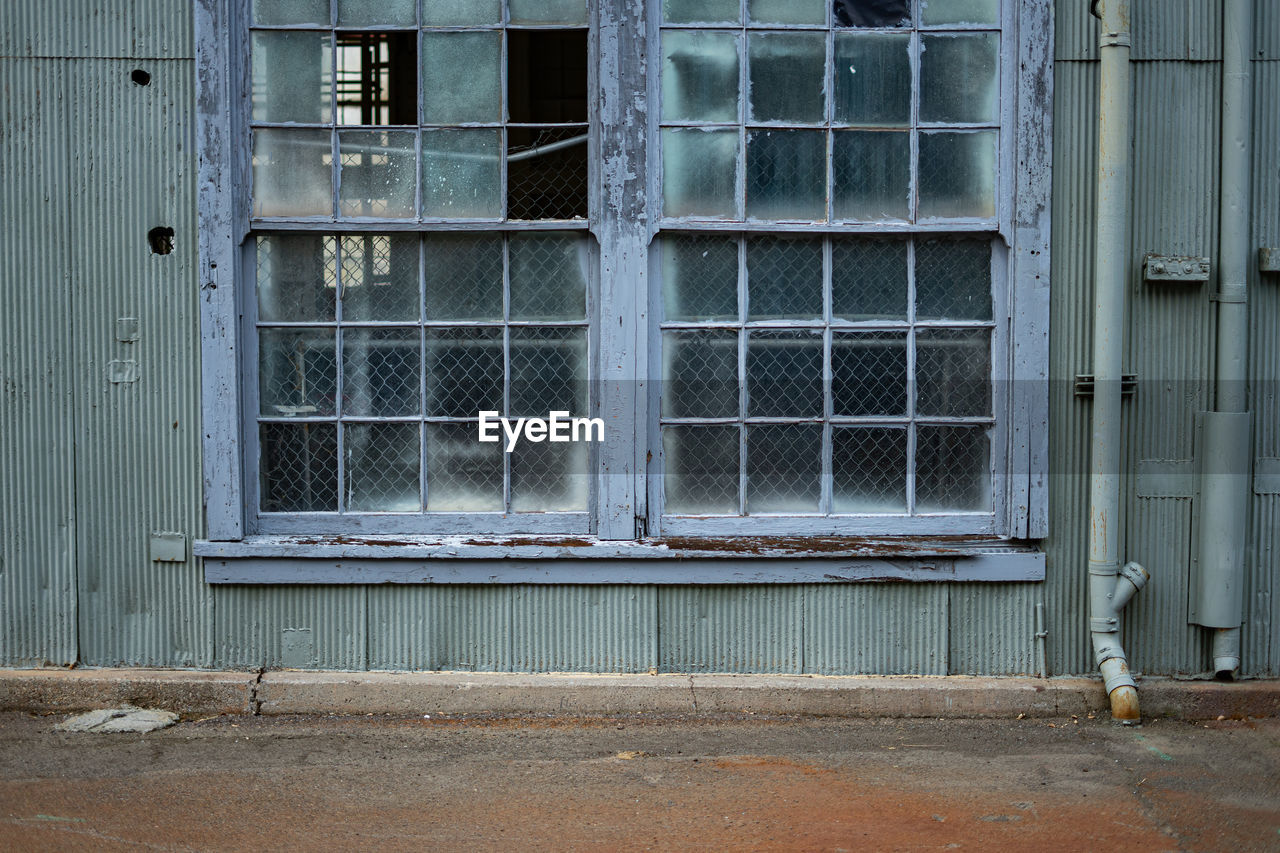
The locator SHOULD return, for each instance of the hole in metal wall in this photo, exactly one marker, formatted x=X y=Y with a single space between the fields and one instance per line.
x=160 y=239
x=142 y=78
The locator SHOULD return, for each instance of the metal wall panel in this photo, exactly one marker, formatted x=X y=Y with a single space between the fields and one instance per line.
x=137 y=442
x=991 y=629
x=1160 y=29
x=315 y=627
x=585 y=629
x=441 y=627
x=37 y=503
x=1266 y=28
x=892 y=629
x=100 y=29
x=730 y=629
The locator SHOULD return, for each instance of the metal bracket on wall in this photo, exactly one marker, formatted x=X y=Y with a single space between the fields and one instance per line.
x=1084 y=384
x=1269 y=259
x=1175 y=268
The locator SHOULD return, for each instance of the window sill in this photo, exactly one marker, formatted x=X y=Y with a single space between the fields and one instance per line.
x=559 y=559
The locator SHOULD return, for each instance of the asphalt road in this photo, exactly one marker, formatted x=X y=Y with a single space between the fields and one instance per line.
x=737 y=783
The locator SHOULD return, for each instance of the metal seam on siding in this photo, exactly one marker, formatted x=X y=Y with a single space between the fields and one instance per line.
x=254 y=625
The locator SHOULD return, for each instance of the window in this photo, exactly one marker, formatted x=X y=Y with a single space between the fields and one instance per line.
x=791 y=252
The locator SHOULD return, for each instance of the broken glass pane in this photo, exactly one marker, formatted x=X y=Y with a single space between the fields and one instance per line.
x=292 y=76
x=788 y=76
x=377 y=78
x=547 y=172
x=699 y=76
x=873 y=13
x=546 y=76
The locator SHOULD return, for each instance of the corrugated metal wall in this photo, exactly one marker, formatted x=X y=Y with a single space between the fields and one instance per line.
x=91 y=467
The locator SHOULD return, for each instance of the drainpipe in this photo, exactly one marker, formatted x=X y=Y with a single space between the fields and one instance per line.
x=1109 y=587
x=1224 y=486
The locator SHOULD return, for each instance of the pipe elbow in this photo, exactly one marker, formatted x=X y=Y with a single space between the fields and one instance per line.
x=1124 y=706
x=1132 y=578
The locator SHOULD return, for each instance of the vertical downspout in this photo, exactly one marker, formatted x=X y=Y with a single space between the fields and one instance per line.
x=1224 y=487
x=1110 y=268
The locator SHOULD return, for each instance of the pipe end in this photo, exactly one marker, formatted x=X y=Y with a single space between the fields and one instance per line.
x=1124 y=706
x=1224 y=668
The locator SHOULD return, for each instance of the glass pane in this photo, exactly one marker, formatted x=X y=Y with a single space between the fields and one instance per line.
x=869 y=374
x=788 y=76
x=464 y=276
x=784 y=278
x=873 y=13
x=379 y=174
x=297 y=374
x=549 y=477
x=463 y=474
x=380 y=277
x=701 y=470
x=700 y=277
x=381 y=372
x=547 y=173
x=953 y=279
x=549 y=276
x=292 y=76
x=869 y=279
x=953 y=373
x=568 y=12
x=448 y=13
x=271 y=12
x=873 y=79
x=958 y=174
x=699 y=173
x=461 y=174
x=787 y=12
x=299 y=468
x=399 y=13
x=291 y=173
x=953 y=469
x=377 y=78
x=701 y=11
x=869 y=470
x=297 y=278
x=784 y=468
x=699 y=76
x=464 y=372
x=383 y=465
x=548 y=371
x=784 y=374
x=871 y=173
x=787 y=174
x=461 y=80
x=958 y=80
x=700 y=374
x=935 y=12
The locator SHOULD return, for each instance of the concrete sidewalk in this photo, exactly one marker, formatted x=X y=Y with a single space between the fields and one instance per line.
x=199 y=693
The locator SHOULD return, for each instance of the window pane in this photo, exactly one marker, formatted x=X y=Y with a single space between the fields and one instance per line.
x=379 y=173
x=700 y=374
x=547 y=477
x=569 y=12
x=546 y=76
x=380 y=277
x=957 y=174
x=461 y=174
x=873 y=13
x=788 y=76
x=291 y=173
x=445 y=13
x=699 y=76
x=958 y=80
x=292 y=76
x=464 y=372
x=873 y=79
x=701 y=11
x=953 y=469
x=953 y=279
x=784 y=278
x=377 y=78
x=784 y=468
x=463 y=474
x=464 y=276
x=461 y=77
x=787 y=174
x=547 y=173
x=297 y=372
x=784 y=374
x=869 y=279
x=700 y=277
x=953 y=373
x=548 y=372
x=383 y=463
x=270 y=12
x=787 y=12
x=381 y=372
x=549 y=276
x=699 y=173
x=297 y=278
x=298 y=468
x=960 y=12
x=701 y=476
x=401 y=13
x=869 y=374
x=868 y=470
x=871 y=171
